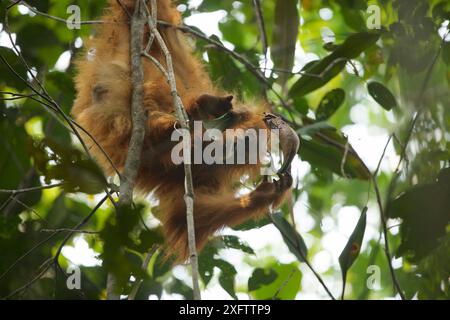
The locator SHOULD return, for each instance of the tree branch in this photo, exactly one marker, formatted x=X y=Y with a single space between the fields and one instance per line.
x=184 y=121
x=138 y=118
x=262 y=28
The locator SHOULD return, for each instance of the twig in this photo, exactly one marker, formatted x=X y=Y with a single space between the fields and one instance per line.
x=37 y=12
x=32 y=189
x=344 y=159
x=386 y=239
x=184 y=121
x=78 y=226
x=262 y=32
x=186 y=29
x=75 y=229
x=420 y=104
x=384 y=222
x=305 y=259
x=30 y=209
x=382 y=155
x=133 y=161
x=242 y=59
x=51 y=103
x=137 y=284
x=29 y=283
x=284 y=284
x=261 y=26
x=69 y=230
x=396 y=172
x=44 y=93
x=15 y=263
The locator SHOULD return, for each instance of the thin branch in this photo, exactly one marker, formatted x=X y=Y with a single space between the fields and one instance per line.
x=344 y=159
x=420 y=103
x=53 y=260
x=386 y=238
x=133 y=160
x=242 y=59
x=69 y=230
x=138 y=117
x=137 y=284
x=52 y=104
x=262 y=31
x=382 y=155
x=384 y=229
x=305 y=259
x=262 y=27
x=26 y=254
x=396 y=172
x=78 y=226
x=184 y=121
x=44 y=94
x=46 y=15
x=50 y=186
x=29 y=283
x=72 y=231
x=30 y=209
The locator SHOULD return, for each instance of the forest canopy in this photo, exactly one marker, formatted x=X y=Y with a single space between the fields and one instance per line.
x=364 y=84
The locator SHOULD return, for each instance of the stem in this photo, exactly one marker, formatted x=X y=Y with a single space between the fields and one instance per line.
x=184 y=121
x=138 y=118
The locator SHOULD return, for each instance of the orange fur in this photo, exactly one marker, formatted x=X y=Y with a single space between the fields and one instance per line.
x=103 y=108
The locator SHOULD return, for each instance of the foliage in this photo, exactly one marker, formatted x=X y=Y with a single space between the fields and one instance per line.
x=325 y=71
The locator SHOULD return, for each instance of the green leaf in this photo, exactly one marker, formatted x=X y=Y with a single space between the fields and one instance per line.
x=227 y=276
x=446 y=52
x=291 y=237
x=179 y=287
x=119 y=237
x=321 y=72
x=353 y=19
x=79 y=173
x=329 y=104
x=286 y=285
x=15 y=163
x=353 y=246
x=252 y=224
x=8 y=59
x=382 y=95
x=162 y=265
x=425 y=214
x=434 y=272
x=148 y=238
x=213 y=5
x=284 y=37
x=222 y=68
x=8 y=226
x=149 y=287
x=41 y=5
x=329 y=156
x=235 y=242
x=311 y=129
x=206 y=263
x=65 y=212
x=261 y=277
x=39 y=44
x=330 y=46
